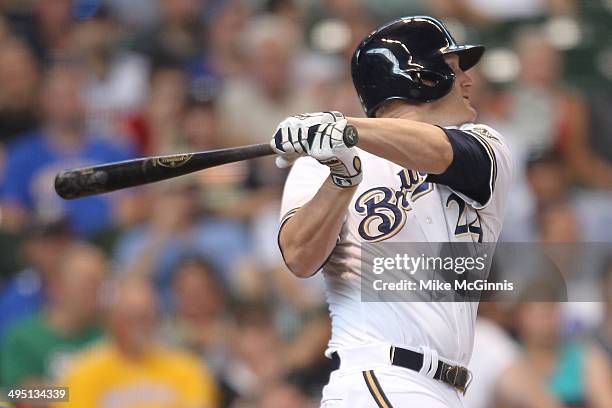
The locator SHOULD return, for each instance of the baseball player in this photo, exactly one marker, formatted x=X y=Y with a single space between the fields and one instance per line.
x=423 y=172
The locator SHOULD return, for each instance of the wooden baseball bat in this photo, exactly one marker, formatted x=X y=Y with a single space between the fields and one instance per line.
x=86 y=181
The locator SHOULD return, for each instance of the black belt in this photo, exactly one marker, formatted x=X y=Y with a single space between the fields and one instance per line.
x=456 y=376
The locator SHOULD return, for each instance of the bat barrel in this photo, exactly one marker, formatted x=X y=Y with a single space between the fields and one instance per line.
x=76 y=183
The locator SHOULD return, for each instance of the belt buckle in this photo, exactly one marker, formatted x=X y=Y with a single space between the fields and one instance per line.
x=459 y=377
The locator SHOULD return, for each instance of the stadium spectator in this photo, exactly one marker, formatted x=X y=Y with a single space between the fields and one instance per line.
x=353 y=15
x=267 y=90
x=223 y=189
x=199 y=321
x=131 y=368
x=43 y=247
x=223 y=56
x=543 y=180
x=156 y=129
x=603 y=334
x=301 y=321
x=508 y=382
x=545 y=115
x=174 y=121
x=576 y=371
x=19 y=82
x=281 y=395
x=547 y=177
x=256 y=359
x=557 y=223
x=387 y=10
x=44 y=25
x=134 y=14
x=549 y=182
x=5 y=33
x=288 y=9
x=178 y=35
x=115 y=80
x=40 y=348
x=499 y=11
x=600 y=123
x=176 y=229
x=60 y=143
x=200 y=124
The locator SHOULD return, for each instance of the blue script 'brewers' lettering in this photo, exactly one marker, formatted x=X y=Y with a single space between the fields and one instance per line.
x=384 y=209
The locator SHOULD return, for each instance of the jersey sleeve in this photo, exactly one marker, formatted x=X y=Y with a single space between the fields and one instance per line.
x=482 y=168
x=306 y=177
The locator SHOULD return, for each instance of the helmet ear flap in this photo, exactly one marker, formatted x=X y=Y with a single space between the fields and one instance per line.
x=429 y=79
x=428 y=86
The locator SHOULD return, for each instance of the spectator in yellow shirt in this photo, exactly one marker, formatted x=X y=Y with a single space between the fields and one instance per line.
x=131 y=370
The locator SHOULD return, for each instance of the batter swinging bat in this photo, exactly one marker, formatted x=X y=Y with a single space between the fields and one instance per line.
x=75 y=183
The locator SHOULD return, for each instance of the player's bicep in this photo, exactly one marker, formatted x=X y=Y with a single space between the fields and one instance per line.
x=303 y=183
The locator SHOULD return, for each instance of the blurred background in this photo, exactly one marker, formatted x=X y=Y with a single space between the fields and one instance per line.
x=176 y=292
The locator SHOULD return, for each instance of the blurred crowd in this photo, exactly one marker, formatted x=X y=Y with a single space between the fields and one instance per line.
x=175 y=293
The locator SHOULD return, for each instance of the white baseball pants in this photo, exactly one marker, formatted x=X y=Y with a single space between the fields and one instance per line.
x=366 y=381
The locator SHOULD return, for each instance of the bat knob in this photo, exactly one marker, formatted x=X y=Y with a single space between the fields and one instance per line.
x=350 y=136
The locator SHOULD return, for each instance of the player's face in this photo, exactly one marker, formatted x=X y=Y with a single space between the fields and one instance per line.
x=455 y=108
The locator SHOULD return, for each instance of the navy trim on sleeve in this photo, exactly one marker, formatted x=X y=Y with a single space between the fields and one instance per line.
x=470 y=173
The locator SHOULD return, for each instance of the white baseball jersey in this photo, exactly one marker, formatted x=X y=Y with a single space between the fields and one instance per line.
x=394 y=204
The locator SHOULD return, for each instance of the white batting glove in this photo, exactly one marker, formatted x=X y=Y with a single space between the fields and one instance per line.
x=319 y=135
x=292 y=134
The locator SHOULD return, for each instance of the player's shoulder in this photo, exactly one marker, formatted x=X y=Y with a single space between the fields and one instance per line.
x=484 y=132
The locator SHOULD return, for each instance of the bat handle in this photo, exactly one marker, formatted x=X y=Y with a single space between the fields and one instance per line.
x=350 y=136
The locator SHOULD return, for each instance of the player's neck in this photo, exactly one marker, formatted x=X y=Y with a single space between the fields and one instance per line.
x=401 y=110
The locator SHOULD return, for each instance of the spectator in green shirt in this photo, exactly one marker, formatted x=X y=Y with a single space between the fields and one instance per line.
x=39 y=349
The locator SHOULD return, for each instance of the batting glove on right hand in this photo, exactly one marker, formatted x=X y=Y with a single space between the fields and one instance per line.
x=321 y=136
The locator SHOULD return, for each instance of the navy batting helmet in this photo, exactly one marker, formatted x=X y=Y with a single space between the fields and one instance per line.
x=404 y=60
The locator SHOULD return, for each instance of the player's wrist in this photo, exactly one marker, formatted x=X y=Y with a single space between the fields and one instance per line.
x=338 y=189
x=346 y=181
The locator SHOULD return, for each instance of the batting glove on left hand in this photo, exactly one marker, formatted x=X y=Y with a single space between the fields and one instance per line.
x=319 y=135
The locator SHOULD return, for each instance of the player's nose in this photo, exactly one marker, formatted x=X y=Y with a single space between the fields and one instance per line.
x=465 y=79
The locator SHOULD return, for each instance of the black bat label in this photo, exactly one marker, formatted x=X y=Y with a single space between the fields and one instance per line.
x=173 y=161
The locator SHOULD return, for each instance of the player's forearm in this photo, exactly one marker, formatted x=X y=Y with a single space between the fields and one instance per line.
x=413 y=145
x=310 y=235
